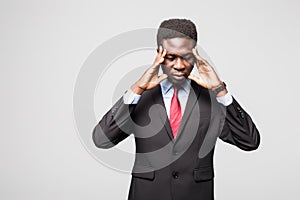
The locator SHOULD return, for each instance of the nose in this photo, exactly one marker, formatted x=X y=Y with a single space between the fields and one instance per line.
x=179 y=64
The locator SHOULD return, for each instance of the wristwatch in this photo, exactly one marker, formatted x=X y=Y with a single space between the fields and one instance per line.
x=219 y=88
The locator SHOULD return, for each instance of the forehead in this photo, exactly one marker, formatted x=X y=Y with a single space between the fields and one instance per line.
x=178 y=45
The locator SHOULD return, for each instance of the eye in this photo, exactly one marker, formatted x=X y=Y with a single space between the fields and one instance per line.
x=188 y=57
x=170 y=57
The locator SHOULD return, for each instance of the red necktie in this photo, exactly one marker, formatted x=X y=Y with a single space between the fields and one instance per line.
x=175 y=113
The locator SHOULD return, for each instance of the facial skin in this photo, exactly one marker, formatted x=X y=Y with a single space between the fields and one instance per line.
x=179 y=59
x=177 y=56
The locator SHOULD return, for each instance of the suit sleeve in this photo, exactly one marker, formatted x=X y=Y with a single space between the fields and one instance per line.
x=239 y=129
x=115 y=126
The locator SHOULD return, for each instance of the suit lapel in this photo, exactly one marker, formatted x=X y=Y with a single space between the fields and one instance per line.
x=158 y=99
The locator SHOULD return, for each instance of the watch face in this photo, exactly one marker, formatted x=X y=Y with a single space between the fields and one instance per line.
x=219 y=88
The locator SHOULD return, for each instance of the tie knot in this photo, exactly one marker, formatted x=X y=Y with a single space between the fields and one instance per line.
x=175 y=90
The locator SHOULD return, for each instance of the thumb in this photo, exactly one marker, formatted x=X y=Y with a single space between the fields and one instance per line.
x=198 y=80
x=194 y=78
x=162 y=77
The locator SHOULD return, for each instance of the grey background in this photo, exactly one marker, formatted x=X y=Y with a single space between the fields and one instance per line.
x=254 y=45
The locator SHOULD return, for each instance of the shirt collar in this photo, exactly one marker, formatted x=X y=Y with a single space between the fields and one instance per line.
x=166 y=85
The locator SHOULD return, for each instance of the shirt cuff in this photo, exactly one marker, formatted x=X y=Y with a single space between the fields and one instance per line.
x=226 y=100
x=130 y=97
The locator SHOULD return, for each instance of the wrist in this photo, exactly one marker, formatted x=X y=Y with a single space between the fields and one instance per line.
x=137 y=89
x=220 y=90
x=222 y=93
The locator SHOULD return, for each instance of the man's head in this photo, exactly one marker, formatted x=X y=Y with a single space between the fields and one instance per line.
x=178 y=37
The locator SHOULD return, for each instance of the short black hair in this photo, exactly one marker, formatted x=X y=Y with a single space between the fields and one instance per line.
x=173 y=28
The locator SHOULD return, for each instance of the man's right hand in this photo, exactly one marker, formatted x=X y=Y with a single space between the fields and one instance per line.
x=150 y=78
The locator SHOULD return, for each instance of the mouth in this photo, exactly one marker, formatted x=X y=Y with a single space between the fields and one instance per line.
x=179 y=76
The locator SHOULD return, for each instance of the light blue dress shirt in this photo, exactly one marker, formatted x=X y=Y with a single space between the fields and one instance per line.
x=167 y=93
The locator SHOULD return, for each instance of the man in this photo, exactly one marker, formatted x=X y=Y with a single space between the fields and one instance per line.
x=176 y=118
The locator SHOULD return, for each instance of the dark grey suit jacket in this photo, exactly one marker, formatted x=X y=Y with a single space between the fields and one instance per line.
x=168 y=169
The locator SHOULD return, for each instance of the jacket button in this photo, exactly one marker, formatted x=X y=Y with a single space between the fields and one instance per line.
x=242 y=115
x=175 y=175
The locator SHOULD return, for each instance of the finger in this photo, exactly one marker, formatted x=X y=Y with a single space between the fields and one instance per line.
x=161 y=60
x=162 y=77
x=198 y=80
x=164 y=53
x=158 y=59
x=154 y=68
x=198 y=57
x=160 y=49
x=196 y=54
x=157 y=64
x=192 y=77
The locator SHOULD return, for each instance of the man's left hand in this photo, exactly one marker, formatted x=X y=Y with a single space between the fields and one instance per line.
x=208 y=77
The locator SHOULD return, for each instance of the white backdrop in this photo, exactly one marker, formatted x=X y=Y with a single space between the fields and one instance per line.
x=254 y=44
